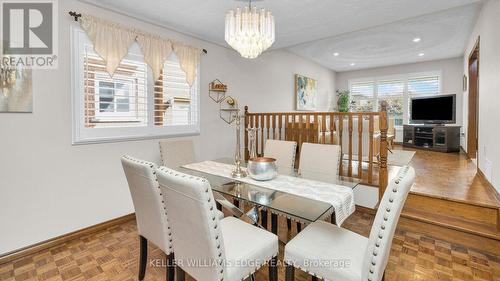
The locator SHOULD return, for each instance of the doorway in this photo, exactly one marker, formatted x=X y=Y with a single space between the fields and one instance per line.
x=473 y=119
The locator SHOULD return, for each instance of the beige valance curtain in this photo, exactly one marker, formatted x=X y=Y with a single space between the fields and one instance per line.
x=112 y=42
x=188 y=59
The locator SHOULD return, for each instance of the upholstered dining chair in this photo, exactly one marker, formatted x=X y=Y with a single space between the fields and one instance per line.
x=206 y=247
x=175 y=153
x=282 y=151
x=319 y=158
x=332 y=253
x=320 y=162
x=152 y=223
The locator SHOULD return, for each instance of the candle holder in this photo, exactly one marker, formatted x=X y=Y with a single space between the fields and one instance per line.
x=230 y=113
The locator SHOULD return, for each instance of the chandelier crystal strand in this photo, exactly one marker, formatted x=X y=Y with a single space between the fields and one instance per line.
x=249 y=31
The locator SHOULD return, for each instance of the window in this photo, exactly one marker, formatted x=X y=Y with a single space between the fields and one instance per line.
x=392 y=92
x=368 y=94
x=362 y=96
x=118 y=101
x=129 y=105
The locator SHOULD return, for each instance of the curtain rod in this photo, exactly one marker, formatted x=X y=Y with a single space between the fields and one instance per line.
x=76 y=16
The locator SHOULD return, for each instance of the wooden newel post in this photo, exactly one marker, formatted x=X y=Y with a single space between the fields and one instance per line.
x=383 y=174
x=245 y=133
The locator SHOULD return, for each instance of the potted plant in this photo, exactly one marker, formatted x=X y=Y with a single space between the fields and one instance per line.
x=343 y=100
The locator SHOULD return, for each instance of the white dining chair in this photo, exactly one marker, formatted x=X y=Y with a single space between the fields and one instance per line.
x=319 y=158
x=176 y=153
x=206 y=247
x=333 y=253
x=151 y=218
x=319 y=162
x=282 y=151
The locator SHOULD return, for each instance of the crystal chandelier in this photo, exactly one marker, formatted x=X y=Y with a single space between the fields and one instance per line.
x=249 y=31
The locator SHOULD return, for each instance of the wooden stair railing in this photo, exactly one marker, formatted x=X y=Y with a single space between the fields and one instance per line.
x=356 y=129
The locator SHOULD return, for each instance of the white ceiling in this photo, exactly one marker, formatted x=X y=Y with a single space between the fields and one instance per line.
x=373 y=32
x=443 y=35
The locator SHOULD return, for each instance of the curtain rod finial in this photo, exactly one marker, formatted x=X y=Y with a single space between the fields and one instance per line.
x=75 y=15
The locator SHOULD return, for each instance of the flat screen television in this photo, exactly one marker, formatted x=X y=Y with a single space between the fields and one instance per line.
x=433 y=110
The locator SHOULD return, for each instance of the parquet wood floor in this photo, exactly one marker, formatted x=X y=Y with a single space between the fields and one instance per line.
x=112 y=254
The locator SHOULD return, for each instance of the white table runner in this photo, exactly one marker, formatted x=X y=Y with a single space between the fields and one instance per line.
x=340 y=197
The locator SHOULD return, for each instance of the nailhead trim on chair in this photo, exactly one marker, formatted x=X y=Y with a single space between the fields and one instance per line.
x=401 y=175
x=210 y=207
x=152 y=166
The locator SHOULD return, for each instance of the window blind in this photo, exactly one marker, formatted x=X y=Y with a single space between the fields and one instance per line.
x=390 y=88
x=423 y=85
x=362 y=89
x=174 y=100
x=118 y=101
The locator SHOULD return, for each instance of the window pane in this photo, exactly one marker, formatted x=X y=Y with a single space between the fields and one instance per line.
x=394 y=109
x=174 y=97
x=390 y=88
x=426 y=85
x=117 y=101
x=363 y=105
x=365 y=89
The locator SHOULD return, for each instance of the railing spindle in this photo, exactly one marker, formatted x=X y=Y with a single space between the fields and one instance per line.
x=360 y=145
x=370 y=151
x=349 y=168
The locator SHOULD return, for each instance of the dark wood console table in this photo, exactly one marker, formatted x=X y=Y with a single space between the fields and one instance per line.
x=432 y=137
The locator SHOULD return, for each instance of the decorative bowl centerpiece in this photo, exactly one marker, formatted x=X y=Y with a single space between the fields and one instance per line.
x=262 y=168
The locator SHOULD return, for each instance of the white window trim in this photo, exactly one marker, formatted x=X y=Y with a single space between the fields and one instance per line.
x=83 y=135
x=406 y=96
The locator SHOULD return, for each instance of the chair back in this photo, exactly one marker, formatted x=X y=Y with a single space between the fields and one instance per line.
x=176 y=153
x=195 y=224
x=319 y=158
x=151 y=218
x=386 y=220
x=282 y=151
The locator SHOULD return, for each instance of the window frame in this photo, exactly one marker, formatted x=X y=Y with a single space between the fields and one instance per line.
x=406 y=95
x=84 y=135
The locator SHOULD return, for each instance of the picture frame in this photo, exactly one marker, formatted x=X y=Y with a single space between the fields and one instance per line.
x=306 y=92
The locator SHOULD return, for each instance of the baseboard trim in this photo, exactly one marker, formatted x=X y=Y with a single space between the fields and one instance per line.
x=28 y=250
x=367 y=210
x=481 y=174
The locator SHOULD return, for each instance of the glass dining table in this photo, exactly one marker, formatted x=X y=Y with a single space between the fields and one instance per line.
x=292 y=206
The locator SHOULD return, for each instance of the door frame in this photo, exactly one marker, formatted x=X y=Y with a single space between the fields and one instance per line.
x=473 y=111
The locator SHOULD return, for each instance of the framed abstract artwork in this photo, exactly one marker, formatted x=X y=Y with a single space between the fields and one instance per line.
x=16 y=90
x=306 y=90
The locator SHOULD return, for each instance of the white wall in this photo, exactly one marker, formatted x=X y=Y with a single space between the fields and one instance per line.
x=49 y=187
x=489 y=90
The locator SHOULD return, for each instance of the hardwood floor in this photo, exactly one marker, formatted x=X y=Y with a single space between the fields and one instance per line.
x=450 y=176
x=112 y=254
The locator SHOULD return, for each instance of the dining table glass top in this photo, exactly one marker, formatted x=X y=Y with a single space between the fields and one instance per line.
x=288 y=204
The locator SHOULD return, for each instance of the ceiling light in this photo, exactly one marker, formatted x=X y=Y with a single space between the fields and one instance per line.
x=335 y=54
x=416 y=40
x=421 y=54
x=353 y=64
x=248 y=31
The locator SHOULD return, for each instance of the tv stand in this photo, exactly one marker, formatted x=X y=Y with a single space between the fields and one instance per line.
x=432 y=137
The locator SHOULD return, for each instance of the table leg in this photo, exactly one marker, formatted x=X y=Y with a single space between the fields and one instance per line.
x=274 y=223
x=263 y=216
